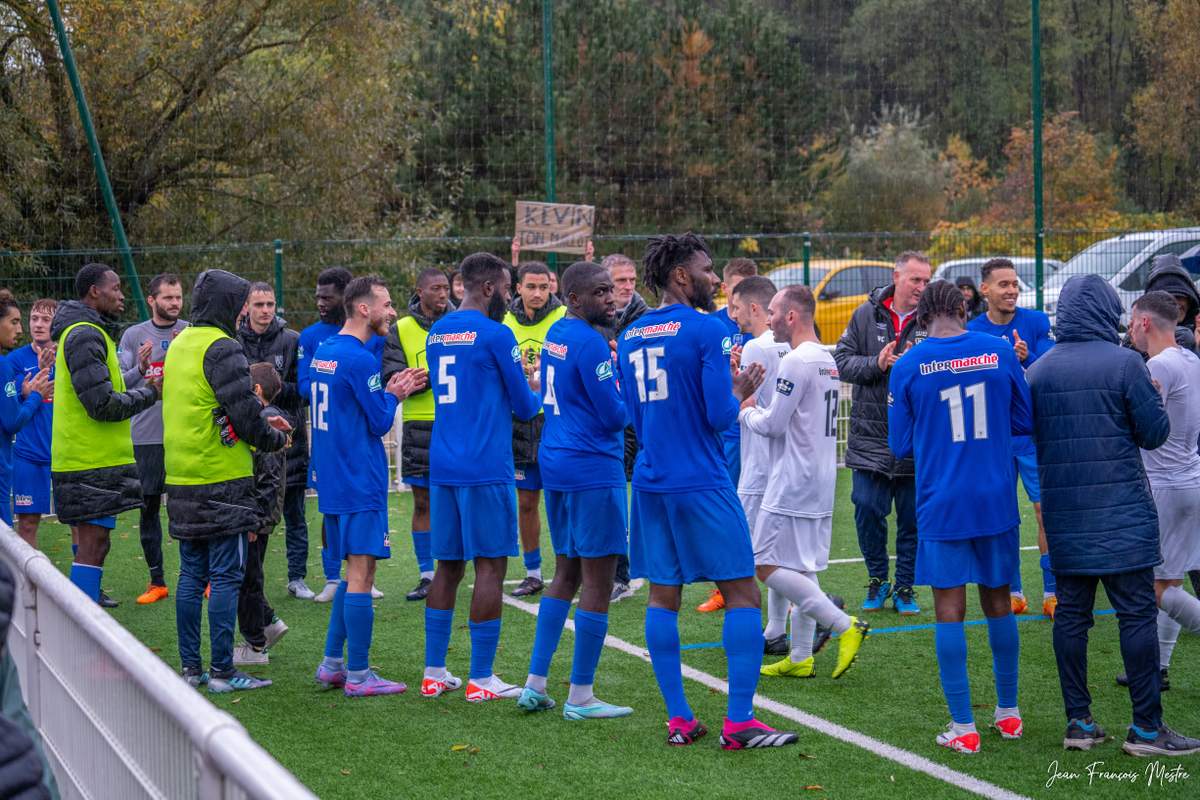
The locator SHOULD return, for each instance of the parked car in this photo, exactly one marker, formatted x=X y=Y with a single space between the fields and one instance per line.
x=1026 y=273
x=842 y=286
x=1124 y=261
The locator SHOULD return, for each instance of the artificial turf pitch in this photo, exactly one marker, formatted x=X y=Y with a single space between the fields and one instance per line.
x=407 y=746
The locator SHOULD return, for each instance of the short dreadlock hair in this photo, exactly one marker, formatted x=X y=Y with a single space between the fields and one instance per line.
x=940 y=299
x=665 y=253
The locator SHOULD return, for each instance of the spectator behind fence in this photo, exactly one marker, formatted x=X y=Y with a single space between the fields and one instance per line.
x=1169 y=275
x=879 y=333
x=976 y=305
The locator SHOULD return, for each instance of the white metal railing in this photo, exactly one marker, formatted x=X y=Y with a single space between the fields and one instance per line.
x=117 y=722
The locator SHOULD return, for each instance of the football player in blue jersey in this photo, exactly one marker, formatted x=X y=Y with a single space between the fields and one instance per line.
x=686 y=524
x=955 y=402
x=479 y=384
x=582 y=454
x=351 y=410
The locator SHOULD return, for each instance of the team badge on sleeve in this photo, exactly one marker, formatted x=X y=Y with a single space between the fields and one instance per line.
x=516 y=353
x=604 y=370
x=10 y=388
x=374 y=383
x=784 y=386
x=727 y=345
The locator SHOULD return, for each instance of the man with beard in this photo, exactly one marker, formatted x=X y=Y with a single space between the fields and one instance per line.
x=142 y=350
x=91 y=451
x=351 y=410
x=31 y=449
x=475 y=366
x=266 y=338
x=406 y=348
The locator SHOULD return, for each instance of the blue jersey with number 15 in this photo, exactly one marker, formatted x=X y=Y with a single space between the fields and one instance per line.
x=478 y=385
x=677 y=386
x=954 y=404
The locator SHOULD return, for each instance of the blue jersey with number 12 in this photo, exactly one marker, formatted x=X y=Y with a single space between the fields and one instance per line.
x=955 y=404
x=676 y=383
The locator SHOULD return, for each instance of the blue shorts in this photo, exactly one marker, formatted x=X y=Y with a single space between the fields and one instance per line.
x=689 y=537
x=529 y=477
x=589 y=523
x=361 y=533
x=103 y=522
x=471 y=522
x=416 y=480
x=984 y=560
x=1027 y=468
x=30 y=487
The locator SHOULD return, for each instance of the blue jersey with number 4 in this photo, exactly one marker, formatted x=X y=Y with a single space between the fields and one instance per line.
x=583 y=442
x=350 y=412
x=676 y=383
x=478 y=385
x=954 y=404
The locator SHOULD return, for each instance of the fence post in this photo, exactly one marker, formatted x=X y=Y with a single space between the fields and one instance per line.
x=279 y=304
x=1038 y=221
x=548 y=106
x=807 y=257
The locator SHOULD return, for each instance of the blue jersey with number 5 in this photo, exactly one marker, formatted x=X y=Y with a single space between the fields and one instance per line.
x=350 y=412
x=954 y=404
x=676 y=383
x=478 y=385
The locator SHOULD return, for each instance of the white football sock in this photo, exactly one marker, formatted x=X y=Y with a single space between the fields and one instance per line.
x=1182 y=607
x=803 y=628
x=1168 y=635
x=534 y=573
x=777 y=614
x=435 y=673
x=427 y=574
x=806 y=593
x=581 y=695
x=536 y=682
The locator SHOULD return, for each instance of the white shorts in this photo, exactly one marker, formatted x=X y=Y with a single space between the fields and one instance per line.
x=796 y=543
x=751 y=503
x=1178 y=531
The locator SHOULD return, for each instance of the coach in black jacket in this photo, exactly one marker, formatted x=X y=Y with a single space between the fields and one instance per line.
x=879 y=332
x=267 y=338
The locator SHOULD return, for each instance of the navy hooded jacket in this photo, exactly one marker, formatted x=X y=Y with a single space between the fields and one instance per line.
x=1093 y=407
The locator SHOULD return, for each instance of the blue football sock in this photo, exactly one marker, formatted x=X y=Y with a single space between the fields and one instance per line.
x=485 y=637
x=335 y=636
x=533 y=559
x=74 y=549
x=437 y=635
x=552 y=613
x=423 y=550
x=87 y=578
x=1049 y=585
x=590 y=629
x=662 y=640
x=743 y=640
x=360 y=620
x=1006 y=649
x=950 y=639
x=331 y=566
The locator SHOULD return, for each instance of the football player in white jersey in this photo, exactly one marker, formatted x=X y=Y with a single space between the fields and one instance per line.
x=791 y=535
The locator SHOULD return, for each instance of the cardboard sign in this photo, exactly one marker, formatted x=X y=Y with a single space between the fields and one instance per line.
x=554 y=227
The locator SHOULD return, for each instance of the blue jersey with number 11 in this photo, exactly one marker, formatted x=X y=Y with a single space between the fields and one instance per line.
x=954 y=404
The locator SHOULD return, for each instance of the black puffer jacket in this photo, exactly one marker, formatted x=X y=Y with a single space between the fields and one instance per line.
x=278 y=346
x=83 y=495
x=527 y=434
x=227 y=507
x=1170 y=276
x=270 y=473
x=418 y=434
x=857 y=357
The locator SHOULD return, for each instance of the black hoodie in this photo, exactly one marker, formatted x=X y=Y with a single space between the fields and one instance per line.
x=279 y=346
x=1170 y=276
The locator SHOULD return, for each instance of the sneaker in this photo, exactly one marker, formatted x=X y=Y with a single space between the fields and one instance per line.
x=821 y=634
x=1166 y=743
x=1009 y=727
x=234 y=681
x=274 y=632
x=877 y=593
x=849 y=644
x=194 y=676
x=376 y=595
x=247 y=655
x=153 y=594
x=715 y=602
x=528 y=587
x=621 y=591
x=331 y=678
x=326 y=594
x=1082 y=734
x=1164 y=681
x=596 y=710
x=1049 y=606
x=753 y=734
x=491 y=689
x=436 y=687
x=778 y=646
x=299 y=590
x=967 y=743
x=790 y=669
x=682 y=732
x=1019 y=604
x=421 y=591
x=106 y=601
x=533 y=700
x=373 y=685
x=905 y=602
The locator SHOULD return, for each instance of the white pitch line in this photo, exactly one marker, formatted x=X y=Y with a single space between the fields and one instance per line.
x=872 y=745
x=893 y=558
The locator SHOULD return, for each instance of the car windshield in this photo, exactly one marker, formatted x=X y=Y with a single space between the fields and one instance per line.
x=1103 y=258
